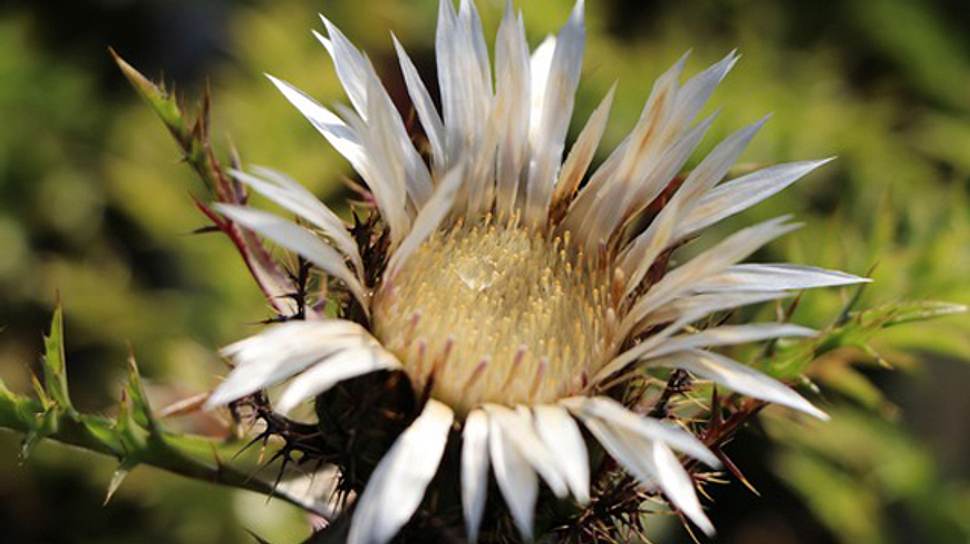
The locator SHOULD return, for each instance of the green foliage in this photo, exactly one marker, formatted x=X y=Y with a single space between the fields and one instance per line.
x=55 y=369
x=854 y=330
x=848 y=469
x=134 y=436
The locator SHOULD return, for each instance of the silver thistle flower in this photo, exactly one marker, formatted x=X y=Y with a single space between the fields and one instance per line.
x=513 y=291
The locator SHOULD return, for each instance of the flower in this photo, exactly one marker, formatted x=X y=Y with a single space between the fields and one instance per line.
x=512 y=291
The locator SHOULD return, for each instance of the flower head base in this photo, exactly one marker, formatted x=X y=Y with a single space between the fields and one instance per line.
x=496 y=313
x=518 y=292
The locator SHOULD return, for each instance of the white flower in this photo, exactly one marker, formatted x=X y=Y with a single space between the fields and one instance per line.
x=513 y=290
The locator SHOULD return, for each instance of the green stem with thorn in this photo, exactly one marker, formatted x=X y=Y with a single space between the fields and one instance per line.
x=135 y=437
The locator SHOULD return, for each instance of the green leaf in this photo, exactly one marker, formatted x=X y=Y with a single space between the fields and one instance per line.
x=164 y=104
x=55 y=369
x=102 y=431
x=141 y=410
x=909 y=312
x=133 y=437
x=856 y=331
x=192 y=138
x=43 y=425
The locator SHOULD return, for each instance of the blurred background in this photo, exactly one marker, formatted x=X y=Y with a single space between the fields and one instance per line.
x=95 y=205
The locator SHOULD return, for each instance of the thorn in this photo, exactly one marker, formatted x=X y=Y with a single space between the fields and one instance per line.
x=185 y=406
x=735 y=471
x=263 y=436
x=216 y=457
x=206 y=229
x=27 y=445
x=846 y=312
x=714 y=425
x=687 y=527
x=39 y=389
x=285 y=456
x=116 y=480
x=140 y=82
x=141 y=409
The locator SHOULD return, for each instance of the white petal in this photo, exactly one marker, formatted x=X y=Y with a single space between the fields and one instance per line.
x=727 y=335
x=634 y=189
x=540 y=63
x=351 y=65
x=315 y=490
x=384 y=172
x=350 y=138
x=637 y=259
x=518 y=428
x=335 y=130
x=610 y=181
x=652 y=464
x=716 y=164
x=561 y=435
x=677 y=485
x=548 y=139
x=641 y=156
x=512 y=101
x=294 y=197
x=582 y=152
x=462 y=77
x=427 y=113
x=624 y=446
x=389 y=138
x=738 y=377
x=739 y=194
x=372 y=102
x=396 y=487
x=692 y=307
x=429 y=218
x=646 y=247
x=282 y=351
x=588 y=198
x=615 y=413
x=468 y=15
x=474 y=471
x=678 y=314
x=515 y=477
x=775 y=277
x=299 y=240
x=713 y=261
x=699 y=88
x=344 y=365
x=450 y=81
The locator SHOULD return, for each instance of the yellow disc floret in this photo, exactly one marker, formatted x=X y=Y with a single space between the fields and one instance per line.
x=492 y=313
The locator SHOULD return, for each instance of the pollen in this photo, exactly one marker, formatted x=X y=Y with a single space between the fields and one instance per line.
x=496 y=313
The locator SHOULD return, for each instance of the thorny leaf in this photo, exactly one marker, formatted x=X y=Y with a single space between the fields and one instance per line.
x=44 y=425
x=793 y=358
x=193 y=139
x=55 y=373
x=141 y=410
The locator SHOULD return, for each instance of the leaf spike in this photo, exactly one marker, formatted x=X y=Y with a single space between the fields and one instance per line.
x=117 y=478
x=55 y=371
x=141 y=408
x=163 y=102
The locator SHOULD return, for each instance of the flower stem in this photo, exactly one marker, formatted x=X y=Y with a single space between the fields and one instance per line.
x=134 y=437
x=191 y=456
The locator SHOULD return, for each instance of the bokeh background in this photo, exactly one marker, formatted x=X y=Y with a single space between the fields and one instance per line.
x=95 y=205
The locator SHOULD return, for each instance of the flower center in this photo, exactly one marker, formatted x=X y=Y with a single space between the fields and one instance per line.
x=488 y=313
